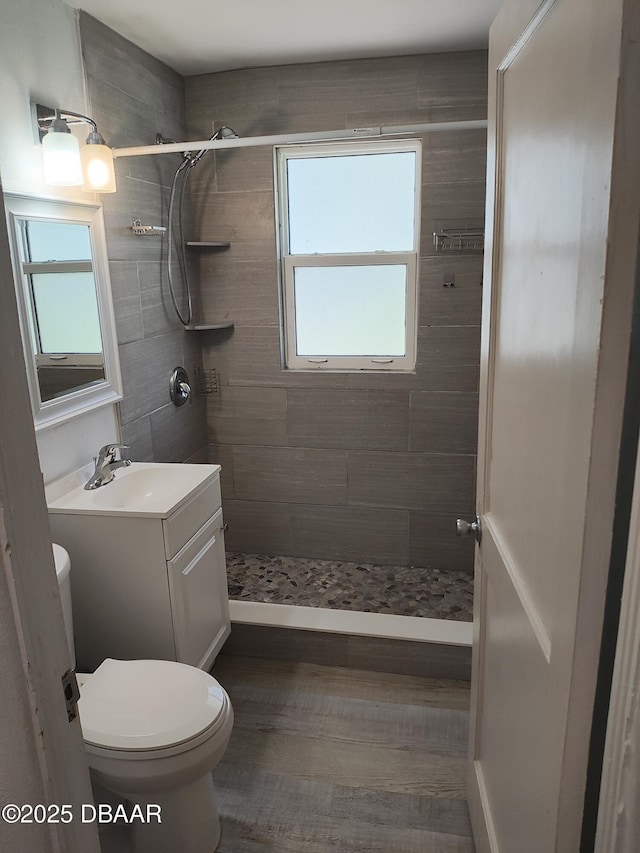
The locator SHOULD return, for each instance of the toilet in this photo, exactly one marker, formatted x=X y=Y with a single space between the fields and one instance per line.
x=153 y=731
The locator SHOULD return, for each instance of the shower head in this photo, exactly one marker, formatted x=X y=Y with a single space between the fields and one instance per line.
x=221 y=133
x=186 y=155
x=162 y=140
x=189 y=158
x=225 y=133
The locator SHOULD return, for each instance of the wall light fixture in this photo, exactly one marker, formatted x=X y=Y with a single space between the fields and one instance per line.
x=65 y=163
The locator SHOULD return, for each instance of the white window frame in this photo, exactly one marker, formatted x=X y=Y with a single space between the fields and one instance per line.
x=287 y=262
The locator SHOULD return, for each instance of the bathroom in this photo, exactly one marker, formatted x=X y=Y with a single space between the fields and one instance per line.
x=360 y=469
x=287 y=443
x=132 y=97
x=388 y=489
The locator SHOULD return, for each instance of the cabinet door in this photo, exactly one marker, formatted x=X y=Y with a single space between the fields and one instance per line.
x=199 y=596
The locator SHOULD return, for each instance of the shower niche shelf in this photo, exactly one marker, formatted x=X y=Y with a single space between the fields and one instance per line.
x=210 y=244
x=203 y=245
x=208 y=327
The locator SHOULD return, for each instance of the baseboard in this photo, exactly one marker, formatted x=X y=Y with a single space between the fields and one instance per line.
x=484 y=834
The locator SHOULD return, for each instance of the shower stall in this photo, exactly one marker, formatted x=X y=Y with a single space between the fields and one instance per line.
x=351 y=585
x=366 y=471
x=340 y=490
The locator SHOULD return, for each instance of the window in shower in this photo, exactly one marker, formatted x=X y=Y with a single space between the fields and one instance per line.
x=349 y=230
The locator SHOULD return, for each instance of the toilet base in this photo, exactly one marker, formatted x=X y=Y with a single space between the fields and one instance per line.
x=190 y=822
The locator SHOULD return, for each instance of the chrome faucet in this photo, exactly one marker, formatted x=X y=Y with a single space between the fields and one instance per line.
x=106 y=463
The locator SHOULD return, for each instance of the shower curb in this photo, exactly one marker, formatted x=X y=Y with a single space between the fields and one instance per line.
x=432 y=648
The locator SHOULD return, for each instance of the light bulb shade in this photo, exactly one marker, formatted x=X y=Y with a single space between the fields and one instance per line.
x=97 y=168
x=61 y=159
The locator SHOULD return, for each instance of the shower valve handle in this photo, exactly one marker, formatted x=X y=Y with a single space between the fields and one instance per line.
x=179 y=387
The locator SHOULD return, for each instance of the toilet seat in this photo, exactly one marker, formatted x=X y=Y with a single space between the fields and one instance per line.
x=142 y=706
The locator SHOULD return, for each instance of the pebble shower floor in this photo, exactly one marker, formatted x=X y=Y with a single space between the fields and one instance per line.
x=400 y=590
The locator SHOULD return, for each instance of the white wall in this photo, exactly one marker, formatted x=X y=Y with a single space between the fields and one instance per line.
x=41 y=61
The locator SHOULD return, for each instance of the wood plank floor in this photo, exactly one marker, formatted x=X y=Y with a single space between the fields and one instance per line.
x=327 y=759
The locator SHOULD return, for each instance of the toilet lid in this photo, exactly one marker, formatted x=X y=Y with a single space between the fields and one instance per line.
x=62 y=562
x=147 y=704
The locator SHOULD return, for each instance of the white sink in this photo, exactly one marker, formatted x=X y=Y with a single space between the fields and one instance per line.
x=143 y=488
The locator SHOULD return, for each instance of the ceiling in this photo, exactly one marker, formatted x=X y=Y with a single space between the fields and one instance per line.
x=203 y=36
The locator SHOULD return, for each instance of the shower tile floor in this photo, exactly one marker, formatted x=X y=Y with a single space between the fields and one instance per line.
x=400 y=590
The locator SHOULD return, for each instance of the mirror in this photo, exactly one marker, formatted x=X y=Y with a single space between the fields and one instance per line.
x=64 y=300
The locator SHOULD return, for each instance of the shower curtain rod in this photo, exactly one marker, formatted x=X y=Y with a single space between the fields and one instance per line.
x=318 y=136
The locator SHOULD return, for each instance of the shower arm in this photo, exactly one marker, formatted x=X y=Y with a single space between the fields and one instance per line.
x=280 y=139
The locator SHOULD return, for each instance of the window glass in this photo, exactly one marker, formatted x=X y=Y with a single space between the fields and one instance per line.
x=57 y=241
x=351 y=310
x=67 y=312
x=349 y=229
x=352 y=203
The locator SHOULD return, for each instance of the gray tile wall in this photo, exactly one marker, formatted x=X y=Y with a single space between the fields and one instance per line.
x=132 y=96
x=340 y=466
x=375 y=654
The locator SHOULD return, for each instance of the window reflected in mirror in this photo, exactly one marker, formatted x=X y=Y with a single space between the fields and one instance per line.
x=64 y=301
x=66 y=339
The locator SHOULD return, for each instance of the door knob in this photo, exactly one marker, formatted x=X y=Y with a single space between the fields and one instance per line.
x=464 y=528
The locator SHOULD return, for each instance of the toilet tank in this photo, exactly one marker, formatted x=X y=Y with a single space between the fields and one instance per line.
x=63 y=569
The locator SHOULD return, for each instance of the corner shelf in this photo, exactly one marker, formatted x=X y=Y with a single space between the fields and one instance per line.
x=206 y=327
x=203 y=245
x=210 y=244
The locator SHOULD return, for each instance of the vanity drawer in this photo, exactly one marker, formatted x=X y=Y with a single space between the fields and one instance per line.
x=182 y=524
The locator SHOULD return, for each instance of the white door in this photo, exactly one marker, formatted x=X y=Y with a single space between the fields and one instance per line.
x=562 y=227
x=42 y=757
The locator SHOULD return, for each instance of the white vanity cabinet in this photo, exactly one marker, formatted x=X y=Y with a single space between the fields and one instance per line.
x=199 y=602
x=148 y=574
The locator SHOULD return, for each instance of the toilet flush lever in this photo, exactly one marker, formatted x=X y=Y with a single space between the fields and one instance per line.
x=464 y=528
